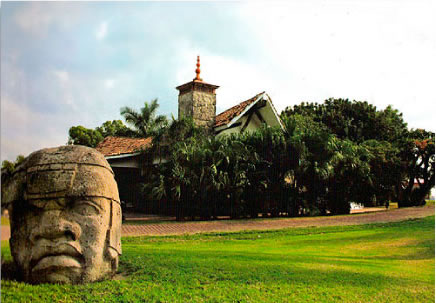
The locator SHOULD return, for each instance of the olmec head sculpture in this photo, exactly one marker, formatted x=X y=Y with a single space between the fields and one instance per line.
x=65 y=216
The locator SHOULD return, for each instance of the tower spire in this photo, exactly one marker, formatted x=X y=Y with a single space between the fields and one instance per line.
x=197 y=99
x=197 y=71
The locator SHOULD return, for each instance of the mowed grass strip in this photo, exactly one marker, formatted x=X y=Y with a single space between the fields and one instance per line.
x=4 y=221
x=392 y=262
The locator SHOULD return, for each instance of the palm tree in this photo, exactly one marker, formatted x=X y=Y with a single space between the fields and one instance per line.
x=145 y=122
x=349 y=178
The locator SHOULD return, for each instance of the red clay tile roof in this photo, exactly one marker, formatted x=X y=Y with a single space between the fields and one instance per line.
x=112 y=146
x=226 y=116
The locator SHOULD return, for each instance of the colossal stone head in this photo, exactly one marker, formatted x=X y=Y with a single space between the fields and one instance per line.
x=65 y=216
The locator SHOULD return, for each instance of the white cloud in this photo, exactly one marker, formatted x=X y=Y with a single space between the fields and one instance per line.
x=24 y=130
x=385 y=54
x=65 y=88
x=101 y=31
x=37 y=17
x=109 y=83
x=313 y=52
x=33 y=19
x=61 y=75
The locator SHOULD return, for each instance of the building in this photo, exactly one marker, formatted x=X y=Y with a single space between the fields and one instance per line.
x=197 y=99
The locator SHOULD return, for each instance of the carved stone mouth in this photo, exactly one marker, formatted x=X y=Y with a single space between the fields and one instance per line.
x=59 y=261
x=64 y=255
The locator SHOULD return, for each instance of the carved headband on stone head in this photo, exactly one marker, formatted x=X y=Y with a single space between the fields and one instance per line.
x=63 y=172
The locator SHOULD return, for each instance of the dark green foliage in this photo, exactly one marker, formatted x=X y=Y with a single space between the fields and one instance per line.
x=357 y=121
x=80 y=135
x=417 y=154
x=8 y=167
x=397 y=156
x=203 y=176
x=115 y=128
x=350 y=177
x=299 y=170
x=385 y=173
x=326 y=156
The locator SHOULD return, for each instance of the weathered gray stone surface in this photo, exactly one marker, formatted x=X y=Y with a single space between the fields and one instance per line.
x=198 y=100
x=204 y=109
x=65 y=216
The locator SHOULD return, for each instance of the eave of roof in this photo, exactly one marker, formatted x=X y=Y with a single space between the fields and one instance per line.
x=276 y=114
x=121 y=156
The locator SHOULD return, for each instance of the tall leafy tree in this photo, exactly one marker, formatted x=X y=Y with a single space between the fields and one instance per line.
x=350 y=173
x=385 y=172
x=401 y=161
x=80 y=135
x=277 y=158
x=167 y=182
x=357 y=121
x=390 y=126
x=418 y=167
x=314 y=169
x=234 y=160
x=145 y=122
x=115 y=128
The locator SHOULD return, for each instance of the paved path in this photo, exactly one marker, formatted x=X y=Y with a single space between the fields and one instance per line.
x=177 y=228
x=5 y=232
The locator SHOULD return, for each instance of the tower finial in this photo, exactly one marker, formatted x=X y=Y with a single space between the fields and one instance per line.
x=197 y=71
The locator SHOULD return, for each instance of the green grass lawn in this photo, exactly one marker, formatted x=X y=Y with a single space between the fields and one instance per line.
x=391 y=262
x=429 y=202
x=4 y=221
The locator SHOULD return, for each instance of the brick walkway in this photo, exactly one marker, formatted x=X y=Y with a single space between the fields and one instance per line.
x=5 y=232
x=178 y=228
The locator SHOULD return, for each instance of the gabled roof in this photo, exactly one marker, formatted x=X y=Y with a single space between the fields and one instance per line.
x=228 y=115
x=113 y=146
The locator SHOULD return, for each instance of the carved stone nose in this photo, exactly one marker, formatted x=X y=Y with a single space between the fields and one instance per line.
x=53 y=226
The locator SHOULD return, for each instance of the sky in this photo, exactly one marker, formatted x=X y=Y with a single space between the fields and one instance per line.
x=77 y=63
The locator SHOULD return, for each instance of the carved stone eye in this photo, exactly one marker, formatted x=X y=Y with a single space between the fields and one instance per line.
x=85 y=208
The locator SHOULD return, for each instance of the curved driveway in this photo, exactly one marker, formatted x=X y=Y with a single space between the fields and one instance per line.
x=178 y=228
